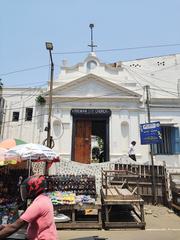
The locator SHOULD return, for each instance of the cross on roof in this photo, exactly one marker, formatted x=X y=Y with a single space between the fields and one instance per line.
x=92 y=43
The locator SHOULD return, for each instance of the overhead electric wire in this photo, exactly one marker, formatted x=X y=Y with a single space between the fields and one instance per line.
x=28 y=97
x=135 y=79
x=121 y=49
x=151 y=82
x=145 y=73
x=96 y=97
x=23 y=70
x=148 y=73
x=45 y=114
x=65 y=101
x=25 y=84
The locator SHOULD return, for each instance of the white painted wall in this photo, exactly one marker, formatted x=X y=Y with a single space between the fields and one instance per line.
x=104 y=88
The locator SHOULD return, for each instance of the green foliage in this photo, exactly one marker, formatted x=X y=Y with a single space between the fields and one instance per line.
x=40 y=100
x=100 y=143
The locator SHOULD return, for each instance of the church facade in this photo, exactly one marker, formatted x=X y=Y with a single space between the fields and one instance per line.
x=97 y=110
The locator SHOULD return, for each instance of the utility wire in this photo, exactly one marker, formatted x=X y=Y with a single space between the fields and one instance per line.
x=25 y=84
x=23 y=70
x=148 y=73
x=105 y=50
x=65 y=101
x=141 y=77
x=90 y=98
x=122 y=49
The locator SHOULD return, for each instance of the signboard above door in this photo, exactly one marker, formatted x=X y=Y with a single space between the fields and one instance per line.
x=91 y=112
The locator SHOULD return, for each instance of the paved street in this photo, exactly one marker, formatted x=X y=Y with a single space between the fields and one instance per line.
x=161 y=224
x=121 y=235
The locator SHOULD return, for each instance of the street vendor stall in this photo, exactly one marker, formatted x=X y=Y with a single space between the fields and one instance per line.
x=15 y=166
x=75 y=196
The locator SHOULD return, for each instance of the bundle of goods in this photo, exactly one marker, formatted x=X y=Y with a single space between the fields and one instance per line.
x=78 y=184
x=84 y=199
x=69 y=198
x=58 y=197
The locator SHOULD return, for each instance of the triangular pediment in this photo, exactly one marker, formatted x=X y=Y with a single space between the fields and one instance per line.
x=92 y=86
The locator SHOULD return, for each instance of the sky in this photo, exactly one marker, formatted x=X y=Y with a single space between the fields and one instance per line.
x=25 y=26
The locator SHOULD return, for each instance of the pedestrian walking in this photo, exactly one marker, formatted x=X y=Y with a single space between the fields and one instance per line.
x=131 y=151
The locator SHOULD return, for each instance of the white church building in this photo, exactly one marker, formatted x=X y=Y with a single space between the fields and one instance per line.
x=97 y=109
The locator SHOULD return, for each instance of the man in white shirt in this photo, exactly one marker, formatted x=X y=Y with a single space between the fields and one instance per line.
x=131 y=151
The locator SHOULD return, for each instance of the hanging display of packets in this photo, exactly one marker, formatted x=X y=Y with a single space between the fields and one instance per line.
x=78 y=184
x=71 y=189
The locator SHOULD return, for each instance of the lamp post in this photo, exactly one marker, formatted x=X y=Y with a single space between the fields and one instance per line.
x=49 y=47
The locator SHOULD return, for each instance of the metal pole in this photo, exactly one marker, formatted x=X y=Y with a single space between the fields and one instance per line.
x=91 y=39
x=151 y=152
x=50 y=103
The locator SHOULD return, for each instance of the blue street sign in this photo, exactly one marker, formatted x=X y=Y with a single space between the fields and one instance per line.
x=150 y=133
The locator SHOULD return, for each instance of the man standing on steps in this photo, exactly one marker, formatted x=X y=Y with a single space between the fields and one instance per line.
x=131 y=151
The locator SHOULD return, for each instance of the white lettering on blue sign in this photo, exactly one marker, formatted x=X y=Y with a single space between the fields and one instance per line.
x=151 y=125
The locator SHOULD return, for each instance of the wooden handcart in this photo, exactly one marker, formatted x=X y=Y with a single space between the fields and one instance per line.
x=123 y=206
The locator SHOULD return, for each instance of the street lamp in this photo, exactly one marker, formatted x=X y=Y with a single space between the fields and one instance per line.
x=49 y=47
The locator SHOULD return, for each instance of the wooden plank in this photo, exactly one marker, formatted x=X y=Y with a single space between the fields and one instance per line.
x=134 y=183
x=114 y=191
x=122 y=201
x=125 y=225
x=124 y=191
x=109 y=193
x=79 y=225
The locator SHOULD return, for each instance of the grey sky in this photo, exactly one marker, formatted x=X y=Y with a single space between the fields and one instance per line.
x=27 y=25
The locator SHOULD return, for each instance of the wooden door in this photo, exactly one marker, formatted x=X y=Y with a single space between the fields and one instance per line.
x=82 y=148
